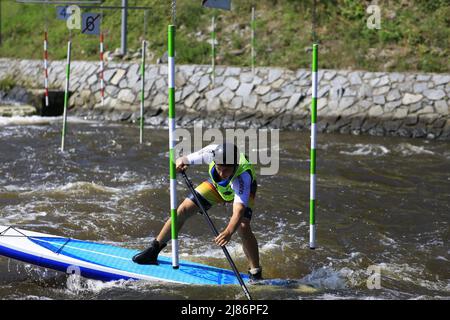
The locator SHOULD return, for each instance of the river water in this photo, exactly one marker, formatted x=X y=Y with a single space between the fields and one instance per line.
x=383 y=205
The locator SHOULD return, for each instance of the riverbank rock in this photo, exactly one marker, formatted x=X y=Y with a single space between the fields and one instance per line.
x=17 y=110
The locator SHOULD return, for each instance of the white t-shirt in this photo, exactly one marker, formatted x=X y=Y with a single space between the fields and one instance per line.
x=241 y=185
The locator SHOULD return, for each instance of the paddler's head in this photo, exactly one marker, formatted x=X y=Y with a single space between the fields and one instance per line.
x=226 y=158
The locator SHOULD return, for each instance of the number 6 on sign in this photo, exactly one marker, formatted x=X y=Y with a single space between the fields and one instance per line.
x=74 y=20
x=91 y=23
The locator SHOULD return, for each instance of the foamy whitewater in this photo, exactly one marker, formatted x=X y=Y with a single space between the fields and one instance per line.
x=382 y=205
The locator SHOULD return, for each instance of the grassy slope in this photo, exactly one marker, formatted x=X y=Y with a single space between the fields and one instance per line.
x=414 y=34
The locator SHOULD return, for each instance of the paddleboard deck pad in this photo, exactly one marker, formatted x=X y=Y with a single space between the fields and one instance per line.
x=102 y=261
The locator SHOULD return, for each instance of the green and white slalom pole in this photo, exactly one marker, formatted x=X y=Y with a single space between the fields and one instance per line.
x=141 y=120
x=253 y=27
x=213 y=50
x=173 y=177
x=312 y=202
x=66 y=94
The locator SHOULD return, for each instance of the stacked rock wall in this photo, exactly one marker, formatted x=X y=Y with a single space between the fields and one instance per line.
x=377 y=103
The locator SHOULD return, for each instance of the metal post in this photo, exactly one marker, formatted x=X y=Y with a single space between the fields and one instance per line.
x=124 y=27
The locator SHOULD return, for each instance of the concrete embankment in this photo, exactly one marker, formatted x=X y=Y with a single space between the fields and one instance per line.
x=358 y=102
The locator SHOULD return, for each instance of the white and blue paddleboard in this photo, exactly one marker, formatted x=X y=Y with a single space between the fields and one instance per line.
x=103 y=262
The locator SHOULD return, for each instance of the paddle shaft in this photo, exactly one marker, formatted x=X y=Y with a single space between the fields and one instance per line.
x=216 y=233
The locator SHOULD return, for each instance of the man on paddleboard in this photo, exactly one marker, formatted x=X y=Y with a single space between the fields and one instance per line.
x=232 y=178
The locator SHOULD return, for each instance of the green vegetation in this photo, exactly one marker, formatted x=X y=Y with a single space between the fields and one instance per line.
x=414 y=34
x=6 y=84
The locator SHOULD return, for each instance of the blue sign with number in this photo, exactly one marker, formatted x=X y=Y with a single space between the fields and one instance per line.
x=91 y=23
x=218 y=4
x=61 y=13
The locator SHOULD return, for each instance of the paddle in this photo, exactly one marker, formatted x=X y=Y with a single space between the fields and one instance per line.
x=216 y=233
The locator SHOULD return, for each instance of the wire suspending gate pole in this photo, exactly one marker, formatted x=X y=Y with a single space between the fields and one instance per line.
x=213 y=50
x=253 y=40
x=142 y=74
x=124 y=28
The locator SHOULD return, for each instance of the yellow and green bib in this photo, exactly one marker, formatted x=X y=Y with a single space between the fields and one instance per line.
x=226 y=192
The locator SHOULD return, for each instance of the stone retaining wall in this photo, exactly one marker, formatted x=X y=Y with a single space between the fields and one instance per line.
x=401 y=104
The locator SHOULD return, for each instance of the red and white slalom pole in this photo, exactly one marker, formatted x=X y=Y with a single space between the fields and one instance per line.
x=102 y=68
x=46 y=68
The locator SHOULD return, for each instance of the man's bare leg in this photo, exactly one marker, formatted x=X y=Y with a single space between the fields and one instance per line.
x=249 y=243
x=185 y=210
x=150 y=255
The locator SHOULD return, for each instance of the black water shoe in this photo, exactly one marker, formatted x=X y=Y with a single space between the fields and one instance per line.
x=255 y=274
x=149 y=255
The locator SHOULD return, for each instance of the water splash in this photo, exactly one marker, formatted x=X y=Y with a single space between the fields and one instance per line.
x=367 y=150
x=407 y=149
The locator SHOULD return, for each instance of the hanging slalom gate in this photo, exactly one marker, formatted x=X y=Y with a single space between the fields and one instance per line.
x=66 y=93
x=46 y=93
x=312 y=203
x=46 y=68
